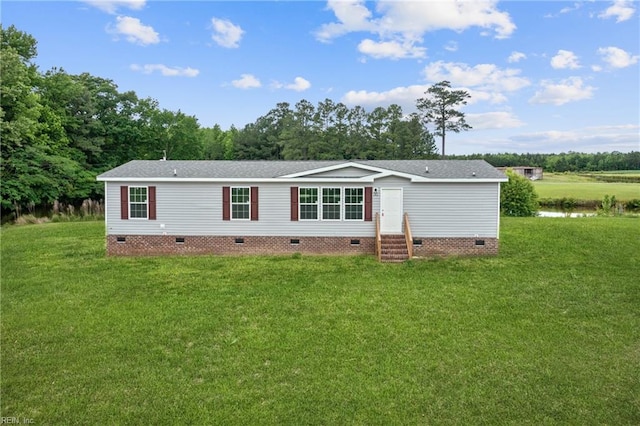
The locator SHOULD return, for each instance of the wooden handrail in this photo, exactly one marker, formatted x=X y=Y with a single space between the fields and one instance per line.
x=407 y=235
x=378 y=238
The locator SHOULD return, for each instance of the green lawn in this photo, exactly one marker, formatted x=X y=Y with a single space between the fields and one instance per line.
x=569 y=185
x=548 y=332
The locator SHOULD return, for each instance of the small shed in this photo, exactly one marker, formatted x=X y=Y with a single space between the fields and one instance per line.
x=531 y=173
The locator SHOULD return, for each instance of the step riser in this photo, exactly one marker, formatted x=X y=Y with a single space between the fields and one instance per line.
x=393 y=249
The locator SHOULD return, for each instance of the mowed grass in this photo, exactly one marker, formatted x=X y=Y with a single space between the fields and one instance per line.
x=578 y=187
x=548 y=332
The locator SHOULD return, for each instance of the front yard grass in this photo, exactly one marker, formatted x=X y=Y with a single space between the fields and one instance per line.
x=548 y=332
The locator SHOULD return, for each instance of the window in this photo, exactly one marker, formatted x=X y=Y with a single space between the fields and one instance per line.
x=331 y=203
x=138 y=206
x=353 y=203
x=240 y=205
x=308 y=203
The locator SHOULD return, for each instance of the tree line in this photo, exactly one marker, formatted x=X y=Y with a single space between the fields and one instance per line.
x=59 y=131
x=563 y=162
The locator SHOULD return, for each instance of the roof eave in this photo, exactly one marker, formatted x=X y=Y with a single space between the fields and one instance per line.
x=365 y=179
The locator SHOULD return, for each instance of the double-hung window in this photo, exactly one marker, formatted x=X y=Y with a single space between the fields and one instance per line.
x=353 y=203
x=308 y=203
x=331 y=204
x=138 y=202
x=240 y=203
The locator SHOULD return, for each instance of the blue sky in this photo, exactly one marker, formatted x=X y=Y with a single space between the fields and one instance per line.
x=544 y=76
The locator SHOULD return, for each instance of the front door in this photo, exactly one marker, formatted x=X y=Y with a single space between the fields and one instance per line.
x=391 y=211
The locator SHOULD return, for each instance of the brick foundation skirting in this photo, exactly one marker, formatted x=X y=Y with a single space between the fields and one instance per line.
x=434 y=247
x=154 y=245
x=140 y=245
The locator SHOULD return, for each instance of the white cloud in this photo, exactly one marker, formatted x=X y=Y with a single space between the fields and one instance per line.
x=481 y=76
x=400 y=26
x=225 y=33
x=352 y=15
x=112 y=6
x=451 y=46
x=569 y=90
x=565 y=59
x=134 y=31
x=299 y=85
x=616 y=57
x=246 y=81
x=568 y=9
x=165 y=70
x=391 y=49
x=493 y=120
x=516 y=57
x=420 y=17
x=622 y=10
x=403 y=96
x=622 y=138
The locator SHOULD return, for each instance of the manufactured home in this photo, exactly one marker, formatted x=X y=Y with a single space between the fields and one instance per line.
x=394 y=209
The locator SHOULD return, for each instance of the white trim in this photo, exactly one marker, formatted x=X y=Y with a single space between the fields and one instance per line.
x=334 y=167
x=498 y=214
x=344 y=204
x=231 y=188
x=318 y=203
x=129 y=202
x=106 y=222
x=340 y=203
x=366 y=179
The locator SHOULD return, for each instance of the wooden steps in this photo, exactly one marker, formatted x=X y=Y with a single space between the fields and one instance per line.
x=394 y=248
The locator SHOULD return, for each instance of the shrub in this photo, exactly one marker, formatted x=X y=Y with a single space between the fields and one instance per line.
x=633 y=205
x=518 y=196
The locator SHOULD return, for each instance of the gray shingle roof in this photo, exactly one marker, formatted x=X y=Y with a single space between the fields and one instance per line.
x=438 y=169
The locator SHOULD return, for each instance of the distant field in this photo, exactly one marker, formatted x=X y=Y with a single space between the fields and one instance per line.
x=619 y=172
x=580 y=187
x=548 y=332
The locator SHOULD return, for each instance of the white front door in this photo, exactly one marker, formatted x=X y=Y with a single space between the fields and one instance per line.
x=391 y=211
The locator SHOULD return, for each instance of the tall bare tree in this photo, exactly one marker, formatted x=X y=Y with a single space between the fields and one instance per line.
x=439 y=108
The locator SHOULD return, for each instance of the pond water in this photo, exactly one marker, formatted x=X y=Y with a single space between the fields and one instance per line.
x=565 y=214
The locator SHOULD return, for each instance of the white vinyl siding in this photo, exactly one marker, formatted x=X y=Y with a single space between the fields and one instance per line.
x=195 y=208
x=453 y=209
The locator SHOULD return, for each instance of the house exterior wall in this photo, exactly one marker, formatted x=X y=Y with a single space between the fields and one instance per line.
x=447 y=218
x=453 y=209
x=192 y=208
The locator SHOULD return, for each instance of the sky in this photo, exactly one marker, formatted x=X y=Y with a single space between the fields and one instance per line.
x=544 y=77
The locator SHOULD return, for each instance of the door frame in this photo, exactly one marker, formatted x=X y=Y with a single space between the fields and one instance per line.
x=396 y=228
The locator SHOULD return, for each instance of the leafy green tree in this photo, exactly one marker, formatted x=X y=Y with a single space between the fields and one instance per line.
x=176 y=136
x=35 y=167
x=518 y=196
x=439 y=108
